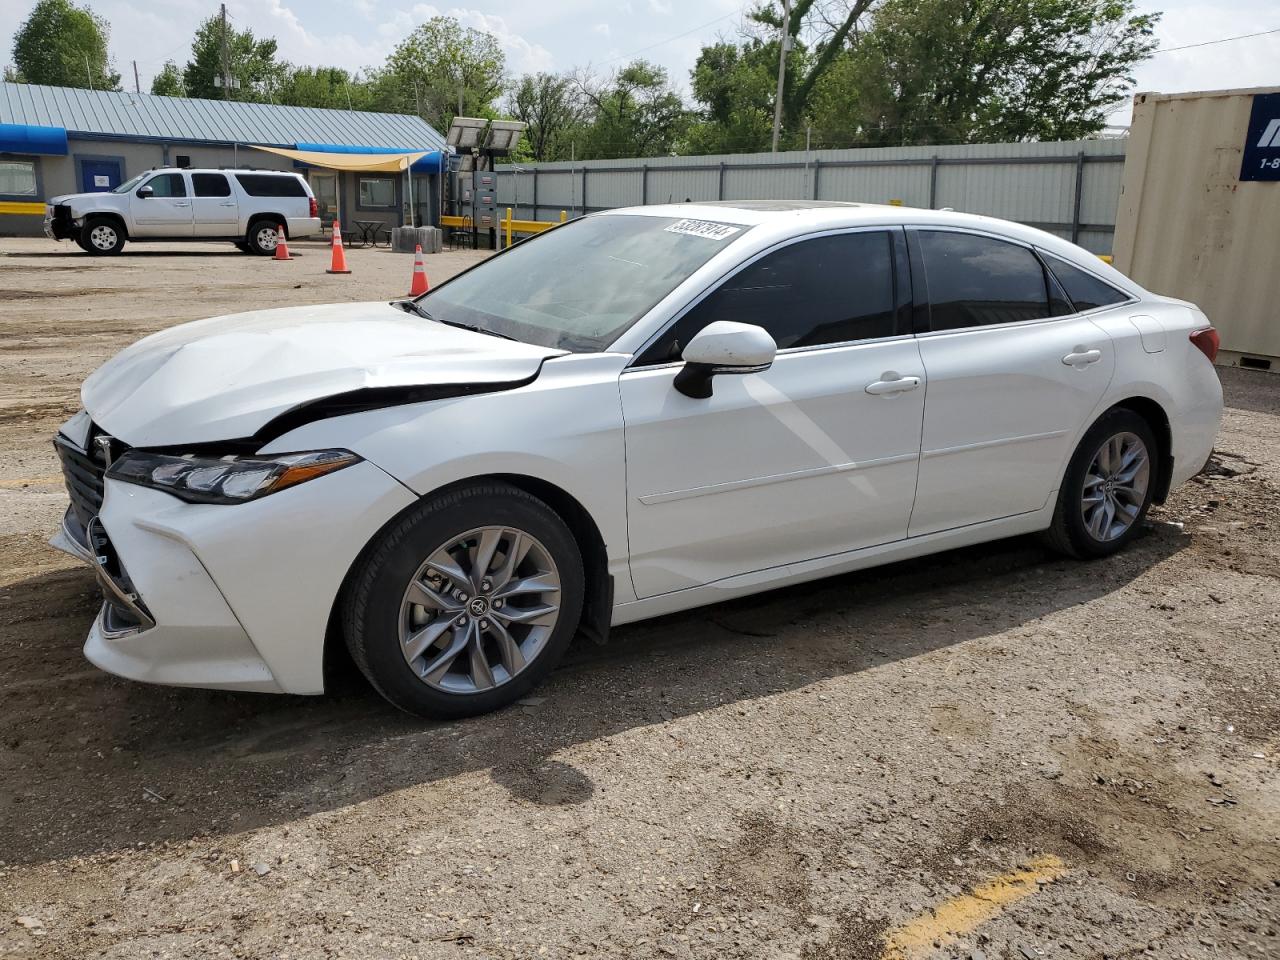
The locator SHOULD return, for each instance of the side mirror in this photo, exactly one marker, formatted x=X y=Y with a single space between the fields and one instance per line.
x=723 y=347
x=146 y=192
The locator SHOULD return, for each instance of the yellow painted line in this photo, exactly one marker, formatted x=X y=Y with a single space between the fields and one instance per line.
x=960 y=915
x=18 y=206
x=1104 y=257
x=29 y=481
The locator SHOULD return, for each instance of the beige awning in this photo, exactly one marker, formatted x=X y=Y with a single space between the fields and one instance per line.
x=359 y=162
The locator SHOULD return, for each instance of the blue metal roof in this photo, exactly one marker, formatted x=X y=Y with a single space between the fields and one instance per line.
x=141 y=116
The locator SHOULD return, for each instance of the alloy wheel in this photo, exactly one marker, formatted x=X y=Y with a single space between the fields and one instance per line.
x=479 y=610
x=1115 y=486
x=103 y=237
x=267 y=238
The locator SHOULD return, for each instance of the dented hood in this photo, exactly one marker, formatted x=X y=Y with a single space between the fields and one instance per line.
x=228 y=377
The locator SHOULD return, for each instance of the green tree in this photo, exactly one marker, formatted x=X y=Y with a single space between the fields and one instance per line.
x=635 y=113
x=63 y=45
x=168 y=82
x=330 y=87
x=252 y=63
x=441 y=70
x=985 y=70
x=552 y=107
x=734 y=86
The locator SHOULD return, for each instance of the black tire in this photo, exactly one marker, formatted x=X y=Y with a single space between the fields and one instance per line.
x=82 y=243
x=1069 y=533
x=372 y=602
x=242 y=246
x=261 y=237
x=102 y=236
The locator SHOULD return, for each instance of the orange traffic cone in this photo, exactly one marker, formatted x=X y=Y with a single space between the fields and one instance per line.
x=282 y=247
x=420 y=284
x=339 y=264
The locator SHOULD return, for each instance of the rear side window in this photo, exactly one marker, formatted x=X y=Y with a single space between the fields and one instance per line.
x=268 y=185
x=826 y=290
x=210 y=185
x=1085 y=290
x=167 y=185
x=977 y=281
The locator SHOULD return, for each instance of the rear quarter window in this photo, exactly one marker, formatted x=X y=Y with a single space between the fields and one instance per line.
x=1086 y=291
x=271 y=185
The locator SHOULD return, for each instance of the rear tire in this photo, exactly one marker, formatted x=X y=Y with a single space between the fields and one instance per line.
x=1107 y=490
x=466 y=603
x=262 y=237
x=102 y=236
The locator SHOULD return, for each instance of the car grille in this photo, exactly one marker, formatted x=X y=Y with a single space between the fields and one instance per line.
x=83 y=472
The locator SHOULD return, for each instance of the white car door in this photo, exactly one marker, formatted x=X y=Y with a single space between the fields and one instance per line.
x=1014 y=375
x=161 y=207
x=815 y=456
x=214 y=207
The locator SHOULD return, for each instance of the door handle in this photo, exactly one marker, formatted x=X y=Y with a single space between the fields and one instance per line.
x=228 y=204
x=182 y=203
x=1081 y=357
x=892 y=384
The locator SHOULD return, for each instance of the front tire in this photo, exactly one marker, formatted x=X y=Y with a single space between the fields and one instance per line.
x=1107 y=489
x=102 y=236
x=466 y=603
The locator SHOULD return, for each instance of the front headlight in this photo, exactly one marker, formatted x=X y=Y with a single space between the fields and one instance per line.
x=229 y=479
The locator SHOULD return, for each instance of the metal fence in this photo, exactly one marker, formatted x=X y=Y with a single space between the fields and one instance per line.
x=1070 y=189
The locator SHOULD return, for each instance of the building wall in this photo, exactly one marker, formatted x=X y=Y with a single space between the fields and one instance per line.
x=1070 y=189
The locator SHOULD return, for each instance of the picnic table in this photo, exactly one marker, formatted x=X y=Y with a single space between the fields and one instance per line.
x=369 y=230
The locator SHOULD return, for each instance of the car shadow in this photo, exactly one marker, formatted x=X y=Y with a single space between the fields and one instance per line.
x=128 y=253
x=92 y=763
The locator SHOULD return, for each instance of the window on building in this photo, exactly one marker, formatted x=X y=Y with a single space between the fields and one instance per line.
x=377 y=192
x=167 y=185
x=271 y=184
x=210 y=185
x=827 y=290
x=17 y=178
x=976 y=281
x=1085 y=290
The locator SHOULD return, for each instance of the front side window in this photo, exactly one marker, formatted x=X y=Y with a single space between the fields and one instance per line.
x=580 y=286
x=977 y=281
x=377 y=192
x=17 y=178
x=1085 y=290
x=827 y=290
x=210 y=185
x=167 y=185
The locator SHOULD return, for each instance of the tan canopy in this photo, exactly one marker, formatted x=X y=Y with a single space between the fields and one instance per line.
x=358 y=162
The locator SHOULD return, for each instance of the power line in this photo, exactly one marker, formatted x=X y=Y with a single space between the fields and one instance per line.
x=1209 y=43
x=678 y=36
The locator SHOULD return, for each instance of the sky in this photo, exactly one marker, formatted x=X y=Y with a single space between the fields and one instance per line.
x=559 y=35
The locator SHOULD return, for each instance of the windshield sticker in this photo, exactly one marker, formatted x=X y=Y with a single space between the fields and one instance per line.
x=706 y=229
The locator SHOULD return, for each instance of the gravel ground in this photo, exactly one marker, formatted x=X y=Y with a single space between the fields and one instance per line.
x=829 y=771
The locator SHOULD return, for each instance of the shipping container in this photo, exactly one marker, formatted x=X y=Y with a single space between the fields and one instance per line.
x=1199 y=214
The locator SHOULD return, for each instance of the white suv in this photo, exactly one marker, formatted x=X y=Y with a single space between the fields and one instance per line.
x=243 y=206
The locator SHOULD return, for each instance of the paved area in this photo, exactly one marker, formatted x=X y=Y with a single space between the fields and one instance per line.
x=991 y=753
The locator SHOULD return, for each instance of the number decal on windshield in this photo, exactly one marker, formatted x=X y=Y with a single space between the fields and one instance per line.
x=703 y=228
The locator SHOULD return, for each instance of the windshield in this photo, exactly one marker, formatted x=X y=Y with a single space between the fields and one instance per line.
x=129 y=184
x=579 y=286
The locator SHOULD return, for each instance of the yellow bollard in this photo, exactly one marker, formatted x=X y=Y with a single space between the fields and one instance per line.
x=508 y=227
x=563 y=216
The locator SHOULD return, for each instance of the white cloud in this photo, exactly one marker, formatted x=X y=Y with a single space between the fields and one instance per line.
x=601 y=28
x=660 y=7
x=522 y=56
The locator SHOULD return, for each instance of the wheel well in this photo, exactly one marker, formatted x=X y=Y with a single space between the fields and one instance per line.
x=273 y=218
x=598 y=604
x=115 y=218
x=1158 y=421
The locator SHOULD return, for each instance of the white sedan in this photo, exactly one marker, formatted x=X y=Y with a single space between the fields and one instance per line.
x=638 y=412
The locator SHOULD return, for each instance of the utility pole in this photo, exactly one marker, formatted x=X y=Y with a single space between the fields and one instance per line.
x=227 y=63
x=783 y=46
x=137 y=87
x=88 y=74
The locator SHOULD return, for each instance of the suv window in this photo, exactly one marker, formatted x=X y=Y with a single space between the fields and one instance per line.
x=210 y=185
x=271 y=185
x=976 y=281
x=167 y=185
x=826 y=290
x=1085 y=290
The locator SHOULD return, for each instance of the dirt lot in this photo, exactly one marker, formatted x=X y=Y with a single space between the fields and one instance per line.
x=1048 y=759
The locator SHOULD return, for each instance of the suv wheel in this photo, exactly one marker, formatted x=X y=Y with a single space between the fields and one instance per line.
x=102 y=236
x=263 y=237
x=466 y=603
x=1107 y=489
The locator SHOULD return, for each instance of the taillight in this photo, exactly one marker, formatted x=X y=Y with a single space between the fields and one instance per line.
x=1207 y=342
x=314 y=209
